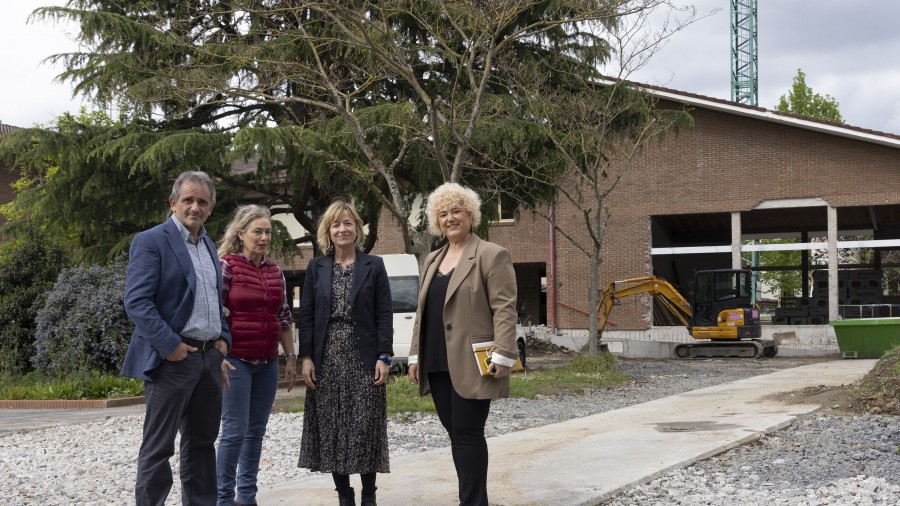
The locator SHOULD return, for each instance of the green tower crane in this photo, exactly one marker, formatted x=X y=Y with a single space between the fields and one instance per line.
x=744 y=81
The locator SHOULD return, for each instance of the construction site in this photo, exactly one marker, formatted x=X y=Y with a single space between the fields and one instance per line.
x=744 y=184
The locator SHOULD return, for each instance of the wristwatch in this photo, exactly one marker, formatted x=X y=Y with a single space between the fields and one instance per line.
x=384 y=357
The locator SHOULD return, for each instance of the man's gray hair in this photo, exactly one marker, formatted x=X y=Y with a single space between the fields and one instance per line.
x=194 y=177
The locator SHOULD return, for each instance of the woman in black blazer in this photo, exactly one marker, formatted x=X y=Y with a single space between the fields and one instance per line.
x=346 y=336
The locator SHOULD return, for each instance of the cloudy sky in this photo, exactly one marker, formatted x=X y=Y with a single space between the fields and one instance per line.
x=849 y=50
x=28 y=93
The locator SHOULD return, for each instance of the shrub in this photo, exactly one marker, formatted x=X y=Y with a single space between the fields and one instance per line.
x=82 y=325
x=29 y=265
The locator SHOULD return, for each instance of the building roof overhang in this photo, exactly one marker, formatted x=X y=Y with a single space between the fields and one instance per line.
x=763 y=114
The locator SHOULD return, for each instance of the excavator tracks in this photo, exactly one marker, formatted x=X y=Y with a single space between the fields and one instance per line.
x=755 y=348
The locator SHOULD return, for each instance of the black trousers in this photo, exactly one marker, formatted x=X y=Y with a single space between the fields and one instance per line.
x=184 y=396
x=464 y=421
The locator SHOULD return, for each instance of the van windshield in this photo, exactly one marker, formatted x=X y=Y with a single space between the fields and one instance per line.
x=405 y=292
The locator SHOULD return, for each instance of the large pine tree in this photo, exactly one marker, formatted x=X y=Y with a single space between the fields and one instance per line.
x=376 y=101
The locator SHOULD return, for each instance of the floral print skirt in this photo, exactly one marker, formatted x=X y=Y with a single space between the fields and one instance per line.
x=345 y=417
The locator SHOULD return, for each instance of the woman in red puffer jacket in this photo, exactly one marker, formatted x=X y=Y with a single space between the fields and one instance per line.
x=259 y=316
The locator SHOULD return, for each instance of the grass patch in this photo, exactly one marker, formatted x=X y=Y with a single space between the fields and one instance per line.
x=91 y=385
x=403 y=397
x=582 y=373
x=292 y=405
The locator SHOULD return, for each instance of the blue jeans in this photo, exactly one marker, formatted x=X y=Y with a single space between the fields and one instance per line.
x=245 y=411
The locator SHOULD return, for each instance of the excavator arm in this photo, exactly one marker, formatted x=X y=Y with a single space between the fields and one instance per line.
x=731 y=336
x=659 y=288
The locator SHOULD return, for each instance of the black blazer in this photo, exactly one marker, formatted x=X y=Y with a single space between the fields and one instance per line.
x=373 y=315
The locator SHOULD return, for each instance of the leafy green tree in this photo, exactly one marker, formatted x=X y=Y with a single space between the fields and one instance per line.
x=790 y=281
x=804 y=101
x=596 y=128
x=29 y=265
x=781 y=281
x=86 y=200
x=379 y=101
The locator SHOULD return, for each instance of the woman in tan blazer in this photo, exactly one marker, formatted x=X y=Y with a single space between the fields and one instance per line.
x=468 y=296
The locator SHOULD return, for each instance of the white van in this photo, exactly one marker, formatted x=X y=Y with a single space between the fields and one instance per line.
x=403 y=276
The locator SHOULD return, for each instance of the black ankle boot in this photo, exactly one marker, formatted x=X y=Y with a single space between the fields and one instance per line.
x=347 y=498
x=369 y=499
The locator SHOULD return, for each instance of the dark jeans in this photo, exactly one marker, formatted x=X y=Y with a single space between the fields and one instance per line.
x=184 y=396
x=464 y=421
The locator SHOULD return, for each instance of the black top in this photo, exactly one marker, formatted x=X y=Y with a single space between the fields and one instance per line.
x=435 y=349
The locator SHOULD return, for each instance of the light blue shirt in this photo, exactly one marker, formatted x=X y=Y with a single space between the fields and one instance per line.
x=205 y=322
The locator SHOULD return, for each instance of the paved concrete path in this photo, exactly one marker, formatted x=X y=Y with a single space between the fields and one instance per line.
x=15 y=420
x=585 y=460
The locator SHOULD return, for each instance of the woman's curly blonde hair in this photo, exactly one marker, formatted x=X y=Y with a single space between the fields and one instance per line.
x=244 y=215
x=330 y=216
x=450 y=195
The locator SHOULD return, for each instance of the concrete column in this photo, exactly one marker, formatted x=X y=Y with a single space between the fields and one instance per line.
x=736 y=240
x=832 y=265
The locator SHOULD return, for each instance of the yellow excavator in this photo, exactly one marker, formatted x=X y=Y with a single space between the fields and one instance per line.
x=720 y=312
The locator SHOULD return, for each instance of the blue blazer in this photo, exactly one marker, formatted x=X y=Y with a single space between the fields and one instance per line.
x=159 y=296
x=373 y=309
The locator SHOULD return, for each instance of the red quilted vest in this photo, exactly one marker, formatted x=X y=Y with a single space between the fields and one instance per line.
x=253 y=302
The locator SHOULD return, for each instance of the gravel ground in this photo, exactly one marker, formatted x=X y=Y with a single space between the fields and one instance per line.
x=820 y=459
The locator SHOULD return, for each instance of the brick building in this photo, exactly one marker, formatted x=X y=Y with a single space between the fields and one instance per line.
x=693 y=201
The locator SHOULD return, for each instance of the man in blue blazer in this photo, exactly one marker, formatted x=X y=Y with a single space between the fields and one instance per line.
x=173 y=295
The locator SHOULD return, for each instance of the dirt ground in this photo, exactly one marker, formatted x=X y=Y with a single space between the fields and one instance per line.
x=834 y=400
x=544 y=354
x=877 y=393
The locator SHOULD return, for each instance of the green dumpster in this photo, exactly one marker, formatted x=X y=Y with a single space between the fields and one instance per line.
x=867 y=337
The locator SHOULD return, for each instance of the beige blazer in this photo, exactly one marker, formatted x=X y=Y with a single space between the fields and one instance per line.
x=480 y=306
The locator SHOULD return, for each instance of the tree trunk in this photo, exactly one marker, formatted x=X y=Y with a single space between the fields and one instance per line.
x=593 y=300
